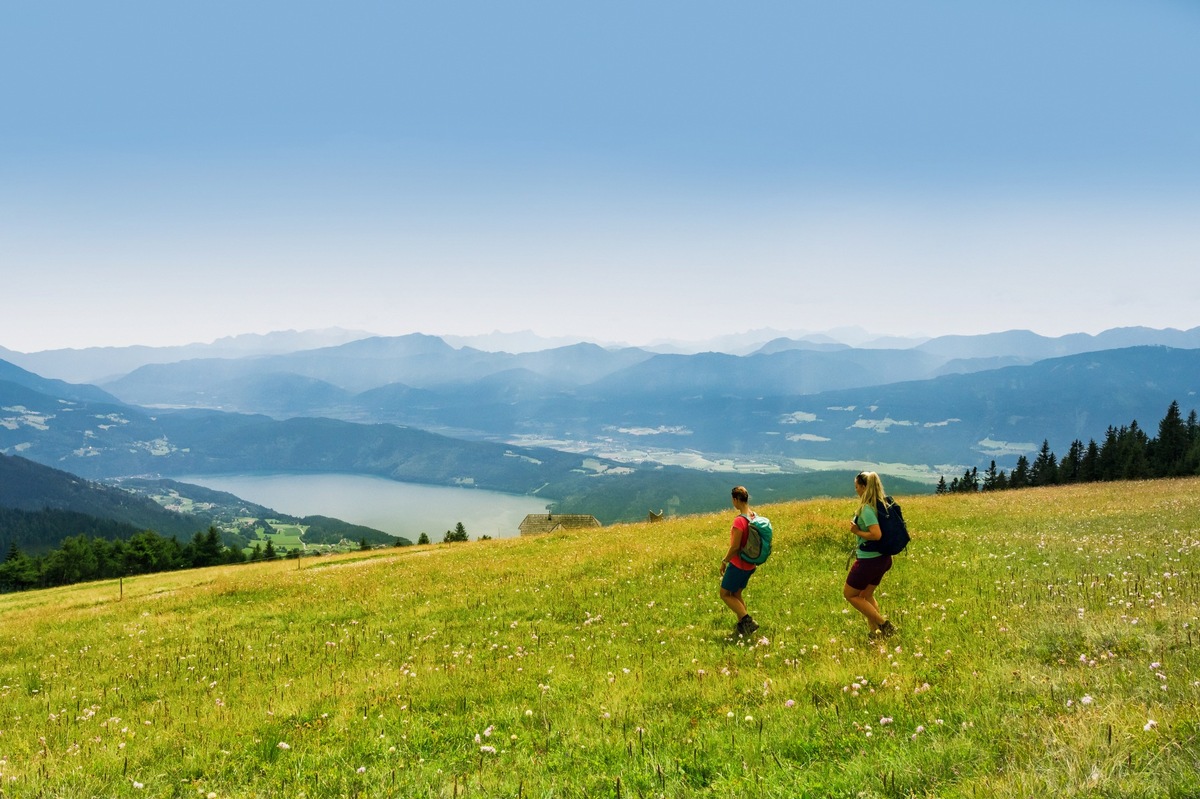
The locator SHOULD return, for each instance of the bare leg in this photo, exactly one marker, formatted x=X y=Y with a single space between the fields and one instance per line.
x=864 y=602
x=735 y=603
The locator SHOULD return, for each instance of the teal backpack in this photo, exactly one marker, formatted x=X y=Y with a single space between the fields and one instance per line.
x=758 y=542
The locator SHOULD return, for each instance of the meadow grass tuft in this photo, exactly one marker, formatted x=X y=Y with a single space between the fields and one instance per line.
x=1047 y=646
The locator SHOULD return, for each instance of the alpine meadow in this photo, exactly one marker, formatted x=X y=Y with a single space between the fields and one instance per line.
x=1046 y=646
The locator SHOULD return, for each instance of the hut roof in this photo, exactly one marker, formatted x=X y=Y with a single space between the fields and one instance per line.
x=536 y=523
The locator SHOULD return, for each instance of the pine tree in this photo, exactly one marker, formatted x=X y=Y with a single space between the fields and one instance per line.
x=1072 y=464
x=1020 y=474
x=1169 y=451
x=1110 y=468
x=1089 y=468
x=1045 y=467
x=990 y=477
x=1191 y=464
x=1133 y=460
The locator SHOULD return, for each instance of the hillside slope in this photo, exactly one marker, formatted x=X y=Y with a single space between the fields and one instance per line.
x=29 y=486
x=576 y=663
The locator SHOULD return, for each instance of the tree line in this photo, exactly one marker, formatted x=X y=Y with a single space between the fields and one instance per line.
x=85 y=557
x=81 y=558
x=1127 y=453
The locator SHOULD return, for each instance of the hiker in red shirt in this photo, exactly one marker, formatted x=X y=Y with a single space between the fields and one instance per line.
x=735 y=572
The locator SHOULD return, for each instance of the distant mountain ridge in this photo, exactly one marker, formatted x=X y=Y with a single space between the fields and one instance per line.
x=562 y=422
x=104 y=364
x=95 y=364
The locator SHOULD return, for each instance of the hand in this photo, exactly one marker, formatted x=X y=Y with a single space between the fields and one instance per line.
x=724 y=563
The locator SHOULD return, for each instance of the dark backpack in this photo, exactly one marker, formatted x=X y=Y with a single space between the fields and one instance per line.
x=891 y=523
x=758 y=540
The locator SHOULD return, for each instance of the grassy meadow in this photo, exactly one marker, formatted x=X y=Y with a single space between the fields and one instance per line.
x=1047 y=646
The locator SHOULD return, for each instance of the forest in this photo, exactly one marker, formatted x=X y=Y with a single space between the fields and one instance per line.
x=1127 y=453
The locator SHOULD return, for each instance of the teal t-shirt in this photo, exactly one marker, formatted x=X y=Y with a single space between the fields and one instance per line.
x=863 y=520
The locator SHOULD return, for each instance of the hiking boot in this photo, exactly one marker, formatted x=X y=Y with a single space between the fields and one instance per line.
x=887 y=629
x=747 y=625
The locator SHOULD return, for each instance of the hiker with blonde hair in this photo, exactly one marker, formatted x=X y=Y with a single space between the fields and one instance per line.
x=869 y=567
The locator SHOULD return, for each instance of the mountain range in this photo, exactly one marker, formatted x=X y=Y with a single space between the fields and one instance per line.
x=581 y=421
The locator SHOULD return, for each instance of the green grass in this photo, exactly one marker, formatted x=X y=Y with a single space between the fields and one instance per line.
x=1047 y=647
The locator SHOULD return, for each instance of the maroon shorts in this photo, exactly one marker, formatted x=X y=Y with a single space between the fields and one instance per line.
x=868 y=571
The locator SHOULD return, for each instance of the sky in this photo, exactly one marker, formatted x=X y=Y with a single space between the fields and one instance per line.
x=621 y=171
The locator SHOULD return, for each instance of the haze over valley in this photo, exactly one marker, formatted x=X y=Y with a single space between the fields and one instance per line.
x=614 y=431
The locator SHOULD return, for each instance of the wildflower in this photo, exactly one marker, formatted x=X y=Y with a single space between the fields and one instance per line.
x=885 y=720
x=488 y=750
x=138 y=785
x=1086 y=700
x=488 y=732
x=790 y=703
x=362 y=769
x=1150 y=724
x=749 y=719
x=283 y=745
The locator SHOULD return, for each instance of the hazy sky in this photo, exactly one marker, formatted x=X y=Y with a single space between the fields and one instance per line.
x=174 y=172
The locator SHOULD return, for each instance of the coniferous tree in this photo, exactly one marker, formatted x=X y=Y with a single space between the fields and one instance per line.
x=990 y=477
x=941 y=485
x=1089 y=467
x=423 y=539
x=1020 y=474
x=1169 y=451
x=1191 y=463
x=205 y=549
x=1072 y=464
x=269 y=551
x=1044 y=471
x=1110 y=464
x=970 y=481
x=1132 y=453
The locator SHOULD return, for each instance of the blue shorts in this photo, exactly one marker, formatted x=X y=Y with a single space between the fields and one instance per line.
x=735 y=579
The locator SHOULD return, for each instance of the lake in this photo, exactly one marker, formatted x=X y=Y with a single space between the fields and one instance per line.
x=404 y=509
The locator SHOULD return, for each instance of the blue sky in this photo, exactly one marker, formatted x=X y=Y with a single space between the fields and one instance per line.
x=178 y=172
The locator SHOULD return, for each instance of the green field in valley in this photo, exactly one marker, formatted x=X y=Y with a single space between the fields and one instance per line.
x=1047 y=646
